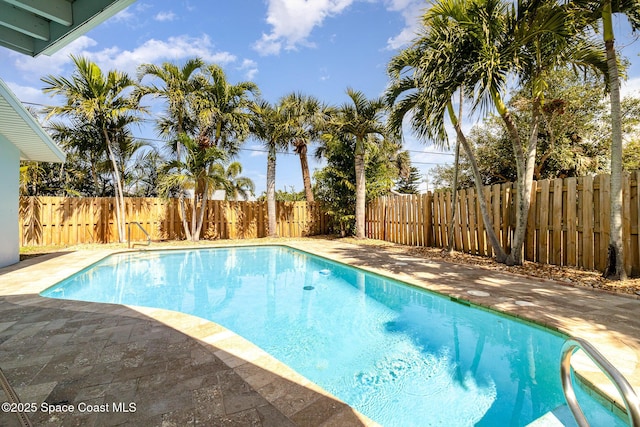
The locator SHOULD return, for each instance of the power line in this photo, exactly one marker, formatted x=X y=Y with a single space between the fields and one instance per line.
x=429 y=163
x=151 y=120
x=430 y=152
x=257 y=150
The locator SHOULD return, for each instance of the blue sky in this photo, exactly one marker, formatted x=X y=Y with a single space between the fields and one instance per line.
x=318 y=47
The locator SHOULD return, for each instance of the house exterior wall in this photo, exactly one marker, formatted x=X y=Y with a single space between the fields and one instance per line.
x=9 y=200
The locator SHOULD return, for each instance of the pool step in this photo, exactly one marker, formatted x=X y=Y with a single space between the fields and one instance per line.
x=559 y=417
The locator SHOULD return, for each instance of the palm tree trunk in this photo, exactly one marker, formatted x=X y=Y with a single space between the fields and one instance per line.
x=301 y=149
x=525 y=164
x=501 y=256
x=194 y=219
x=454 y=197
x=183 y=215
x=615 y=259
x=271 y=191
x=361 y=191
x=203 y=208
x=120 y=212
x=524 y=188
x=454 y=185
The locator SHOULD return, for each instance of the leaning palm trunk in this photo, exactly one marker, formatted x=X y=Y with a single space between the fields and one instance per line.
x=301 y=149
x=615 y=259
x=525 y=165
x=454 y=185
x=271 y=192
x=454 y=197
x=501 y=256
x=360 y=188
x=120 y=209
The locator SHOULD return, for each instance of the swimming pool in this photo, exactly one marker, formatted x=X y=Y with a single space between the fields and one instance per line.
x=398 y=354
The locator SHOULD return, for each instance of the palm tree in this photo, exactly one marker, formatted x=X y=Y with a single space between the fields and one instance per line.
x=222 y=110
x=478 y=45
x=78 y=137
x=362 y=120
x=309 y=115
x=419 y=90
x=235 y=186
x=178 y=86
x=195 y=173
x=103 y=102
x=272 y=126
x=603 y=10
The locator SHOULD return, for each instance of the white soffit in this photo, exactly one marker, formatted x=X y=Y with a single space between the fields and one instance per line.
x=33 y=27
x=21 y=129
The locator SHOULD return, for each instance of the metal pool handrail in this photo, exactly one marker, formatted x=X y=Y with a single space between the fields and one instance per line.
x=141 y=228
x=631 y=401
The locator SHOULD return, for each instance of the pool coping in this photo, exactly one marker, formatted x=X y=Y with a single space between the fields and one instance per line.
x=479 y=287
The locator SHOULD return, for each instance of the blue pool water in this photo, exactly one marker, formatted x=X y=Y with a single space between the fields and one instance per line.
x=400 y=355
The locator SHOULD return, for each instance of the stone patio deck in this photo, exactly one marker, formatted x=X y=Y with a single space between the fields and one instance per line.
x=179 y=370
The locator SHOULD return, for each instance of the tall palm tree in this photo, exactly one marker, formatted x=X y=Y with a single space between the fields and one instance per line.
x=362 y=120
x=602 y=11
x=178 y=84
x=309 y=116
x=272 y=126
x=220 y=115
x=222 y=109
x=419 y=91
x=101 y=101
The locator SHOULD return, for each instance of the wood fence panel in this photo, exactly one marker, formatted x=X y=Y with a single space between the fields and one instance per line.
x=530 y=235
x=601 y=225
x=70 y=221
x=568 y=221
x=626 y=221
x=428 y=218
x=588 y=209
x=543 y=234
x=635 y=223
x=482 y=243
x=494 y=202
x=570 y=218
x=504 y=200
x=472 y=220
x=556 y=212
x=462 y=217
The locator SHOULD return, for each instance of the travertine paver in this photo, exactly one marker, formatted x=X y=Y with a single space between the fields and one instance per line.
x=181 y=370
x=117 y=369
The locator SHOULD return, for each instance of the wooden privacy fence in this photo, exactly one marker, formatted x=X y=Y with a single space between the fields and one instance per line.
x=71 y=220
x=568 y=223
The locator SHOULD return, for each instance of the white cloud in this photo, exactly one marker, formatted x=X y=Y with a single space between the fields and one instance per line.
x=165 y=16
x=29 y=94
x=174 y=49
x=293 y=20
x=630 y=87
x=411 y=11
x=125 y=15
x=250 y=67
x=156 y=51
x=55 y=64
